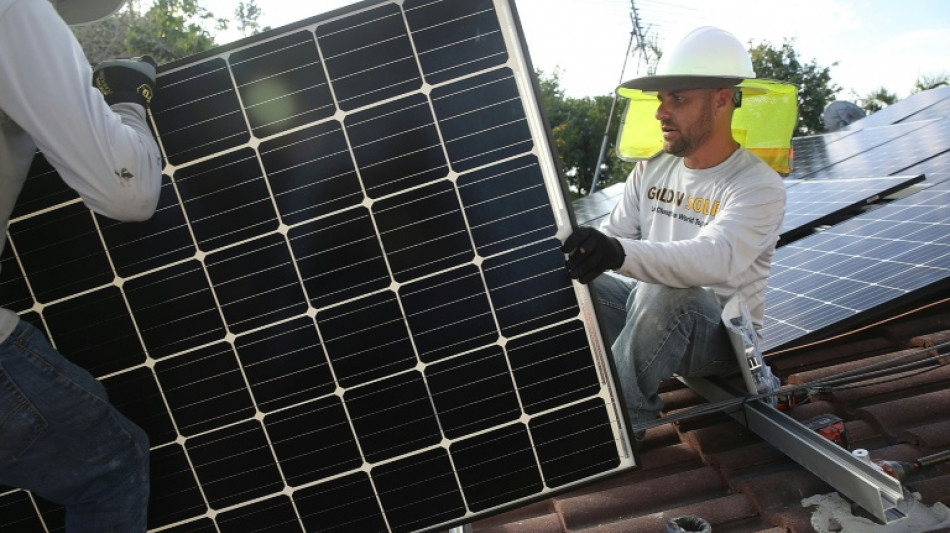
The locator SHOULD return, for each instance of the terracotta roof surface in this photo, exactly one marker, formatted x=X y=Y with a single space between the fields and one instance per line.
x=711 y=466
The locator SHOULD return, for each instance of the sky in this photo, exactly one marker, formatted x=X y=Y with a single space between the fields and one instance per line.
x=866 y=44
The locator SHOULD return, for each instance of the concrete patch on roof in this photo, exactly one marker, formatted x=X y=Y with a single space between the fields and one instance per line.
x=833 y=515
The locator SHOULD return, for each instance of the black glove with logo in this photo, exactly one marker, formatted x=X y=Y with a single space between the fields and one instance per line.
x=126 y=80
x=590 y=253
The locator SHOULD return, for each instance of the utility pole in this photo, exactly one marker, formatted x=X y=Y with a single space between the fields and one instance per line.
x=636 y=36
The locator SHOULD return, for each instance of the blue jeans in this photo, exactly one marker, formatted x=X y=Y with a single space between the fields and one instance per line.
x=655 y=331
x=61 y=439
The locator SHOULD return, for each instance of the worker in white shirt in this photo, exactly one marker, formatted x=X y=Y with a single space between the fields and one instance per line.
x=697 y=225
x=59 y=436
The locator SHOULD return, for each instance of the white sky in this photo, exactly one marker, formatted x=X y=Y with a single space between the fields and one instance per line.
x=874 y=42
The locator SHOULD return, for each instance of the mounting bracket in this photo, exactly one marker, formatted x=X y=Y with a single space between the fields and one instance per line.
x=876 y=492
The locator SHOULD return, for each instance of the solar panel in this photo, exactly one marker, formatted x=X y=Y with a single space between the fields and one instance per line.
x=940 y=109
x=848 y=155
x=811 y=203
x=929 y=139
x=350 y=312
x=829 y=281
x=591 y=209
x=811 y=153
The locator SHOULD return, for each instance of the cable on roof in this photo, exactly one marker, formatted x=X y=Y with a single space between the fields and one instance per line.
x=823 y=385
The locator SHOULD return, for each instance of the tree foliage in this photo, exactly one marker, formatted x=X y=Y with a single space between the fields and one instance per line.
x=878 y=99
x=816 y=89
x=166 y=30
x=931 y=81
x=577 y=128
x=246 y=16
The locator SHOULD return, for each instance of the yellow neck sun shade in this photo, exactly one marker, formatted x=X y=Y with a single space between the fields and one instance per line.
x=763 y=124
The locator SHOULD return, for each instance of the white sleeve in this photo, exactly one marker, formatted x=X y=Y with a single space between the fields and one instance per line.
x=623 y=221
x=107 y=155
x=722 y=250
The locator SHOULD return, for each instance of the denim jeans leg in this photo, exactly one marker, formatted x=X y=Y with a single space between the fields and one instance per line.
x=668 y=330
x=61 y=439
x=611 y=291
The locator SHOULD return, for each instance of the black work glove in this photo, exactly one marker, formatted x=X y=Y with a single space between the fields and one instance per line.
x=590 y=253
x=126 y=80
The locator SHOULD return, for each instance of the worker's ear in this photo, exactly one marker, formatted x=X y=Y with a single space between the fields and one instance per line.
x=722 y=101
x=723 y=98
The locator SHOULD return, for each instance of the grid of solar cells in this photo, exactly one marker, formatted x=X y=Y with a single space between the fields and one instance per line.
x=811 y=202
x=918 y=141
x=936 y=169
x=810 y=153
x=350 y=312
x=847 y=155
x=939 y=110
x=822 y=283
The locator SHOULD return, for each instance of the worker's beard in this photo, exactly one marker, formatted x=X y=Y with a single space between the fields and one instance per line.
x=687 y=141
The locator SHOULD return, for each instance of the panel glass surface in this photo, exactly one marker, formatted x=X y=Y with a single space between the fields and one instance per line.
x=824 y=282
x=350 y=311
x=810 y=202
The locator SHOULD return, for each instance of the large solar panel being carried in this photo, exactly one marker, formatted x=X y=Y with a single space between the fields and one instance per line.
x=350 y=312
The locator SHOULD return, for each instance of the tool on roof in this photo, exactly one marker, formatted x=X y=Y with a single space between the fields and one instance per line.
x=901 y=470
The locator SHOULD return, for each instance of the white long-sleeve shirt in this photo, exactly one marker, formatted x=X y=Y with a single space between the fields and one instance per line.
x=47 y=101
x=714 y=228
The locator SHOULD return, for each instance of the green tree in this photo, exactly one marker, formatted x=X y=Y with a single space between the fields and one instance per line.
x=166 y=30
x=171 y=29
x=577 y=128
x=877 y=100
x=246 y=15
x=816 y=89
x=931 y=81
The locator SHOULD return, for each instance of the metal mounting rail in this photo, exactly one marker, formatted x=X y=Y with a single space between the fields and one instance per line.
x=876 y=492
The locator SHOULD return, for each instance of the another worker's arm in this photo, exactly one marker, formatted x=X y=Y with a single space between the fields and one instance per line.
x=108 y=156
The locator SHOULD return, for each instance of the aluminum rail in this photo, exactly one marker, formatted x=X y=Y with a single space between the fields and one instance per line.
x=876 y=492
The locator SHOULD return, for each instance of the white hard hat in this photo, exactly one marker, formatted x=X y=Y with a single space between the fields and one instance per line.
x=86 y=11
x=706 y=58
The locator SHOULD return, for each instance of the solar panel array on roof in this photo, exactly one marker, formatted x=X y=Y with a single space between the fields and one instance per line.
x=860 y=268
x=827 y=282
x=810 y=203
x=350 y=312
x=841 y=149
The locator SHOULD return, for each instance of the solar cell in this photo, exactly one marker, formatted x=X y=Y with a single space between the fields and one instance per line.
x=350 y=312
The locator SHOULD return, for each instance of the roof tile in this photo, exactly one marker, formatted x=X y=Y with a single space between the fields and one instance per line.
x=717 y=512
x=776 y=489
x=810 y=376
x=648 y=496
x=897 y=386
x=931 y=436
x=933 y=490
x=893 y=416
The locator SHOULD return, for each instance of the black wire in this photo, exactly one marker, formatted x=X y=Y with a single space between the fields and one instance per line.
x=891 y=380
x=826 y=384
x=863 y=372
